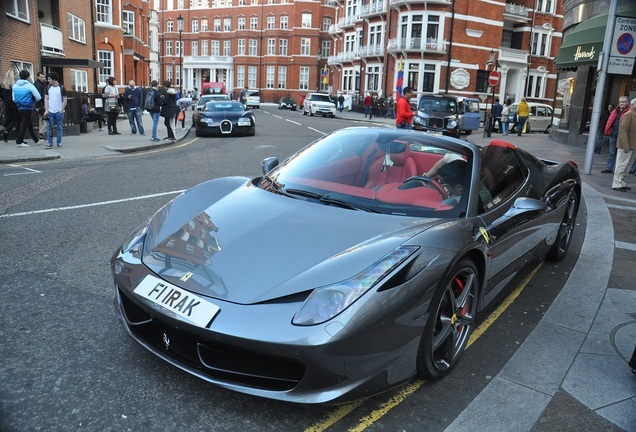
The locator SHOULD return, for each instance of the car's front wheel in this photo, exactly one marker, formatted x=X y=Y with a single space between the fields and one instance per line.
x=564 y=237
x=450 y=322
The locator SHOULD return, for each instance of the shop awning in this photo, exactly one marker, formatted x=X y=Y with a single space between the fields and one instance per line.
x=64 y=62
x=583 y=45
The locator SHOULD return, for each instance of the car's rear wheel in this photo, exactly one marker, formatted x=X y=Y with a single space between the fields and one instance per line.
x=450 y=322
x=564 y=237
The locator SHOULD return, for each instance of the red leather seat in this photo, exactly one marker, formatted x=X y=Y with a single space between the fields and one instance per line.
x=403 y=166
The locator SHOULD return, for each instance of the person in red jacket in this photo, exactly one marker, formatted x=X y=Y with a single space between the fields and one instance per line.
x=367 y=105
x=403 y=112
x=611 y=131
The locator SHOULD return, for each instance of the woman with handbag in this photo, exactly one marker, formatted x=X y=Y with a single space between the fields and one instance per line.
x=169 y=108
x=111 y=105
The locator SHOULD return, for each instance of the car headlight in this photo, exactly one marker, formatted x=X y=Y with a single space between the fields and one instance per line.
x=418 y=121
x=326 y=302
x=135 y=241
x=452 y=124
x=207 y=121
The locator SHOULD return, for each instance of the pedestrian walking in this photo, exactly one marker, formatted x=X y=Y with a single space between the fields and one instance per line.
x=340 y=102
x=505 y=116
x=11 y=113
x=111 y=104
x=153 y=106
x=497 y=109
x=55 y=100
x=404 y=113
x=41 y=84
x=367 y=105
x=390 y=112
x=133 y=99
x=169 y=108
x=523 y=111
x=24 y=93
x=601 y=139
x=625 y=146
x=611 y=131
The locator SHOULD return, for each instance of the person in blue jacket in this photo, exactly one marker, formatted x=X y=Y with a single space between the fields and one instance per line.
x=24 y=94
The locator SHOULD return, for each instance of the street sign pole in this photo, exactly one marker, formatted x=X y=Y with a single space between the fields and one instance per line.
x=493 y=80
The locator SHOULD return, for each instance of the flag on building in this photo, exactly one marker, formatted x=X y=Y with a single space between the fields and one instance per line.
x=400 y=78
x=325 y=75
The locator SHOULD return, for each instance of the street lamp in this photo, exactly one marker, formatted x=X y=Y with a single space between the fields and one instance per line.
x=180 y=25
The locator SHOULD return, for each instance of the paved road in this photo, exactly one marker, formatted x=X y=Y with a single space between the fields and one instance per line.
x=570 y=373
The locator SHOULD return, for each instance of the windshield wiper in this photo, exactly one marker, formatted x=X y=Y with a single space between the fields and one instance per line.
x=346 y=204
x=274 y=186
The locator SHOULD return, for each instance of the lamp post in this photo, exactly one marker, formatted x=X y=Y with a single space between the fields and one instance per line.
x=180 y=24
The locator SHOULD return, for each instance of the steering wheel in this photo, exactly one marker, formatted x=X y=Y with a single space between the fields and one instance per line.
x=432 y=183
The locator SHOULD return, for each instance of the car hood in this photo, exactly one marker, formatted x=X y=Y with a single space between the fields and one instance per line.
x=231 y=240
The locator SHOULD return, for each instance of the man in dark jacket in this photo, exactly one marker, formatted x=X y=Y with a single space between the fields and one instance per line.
x=133 y=98
x=24 y=93
x=40 y=84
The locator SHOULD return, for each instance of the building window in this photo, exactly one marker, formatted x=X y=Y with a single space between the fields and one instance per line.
x=169 y=73
x=241 y=23
x=195 y=26
x=305 y=20
x=481 y=85
x=420 y=31
x=352 y=8
x=227 y=24
x=269 y=79
x=374 y=36
x=271 y=46
x=18 y=9
x=20 y=66
x=536 y=86
x=282 y=77
x=107 y=58
x=428 y=78
x=253 y=48
x=178 y=48
x=76 y=28
x=180 y=4
x=240 y=76
x=168 y=48
x=350 y=44
x=241 y=3
x=271 y=22
x=305 y=46
x=541 y=43
x=195 y=48
x=326 y=23
x=325 y=51
x=169 y=26
x=373 y=78
x=129 y=22
x=241 y=47
x=227 y=48
x=251 y=76
x=282 y=47
x=349 y=80
x=284 y=22
x=546 y=6
x=217 y=25
x=254 y=23
x=303 y=78
x=204 y=25
x=204 y=47
x=104 y=11
x=216 y=47
x=79 y=81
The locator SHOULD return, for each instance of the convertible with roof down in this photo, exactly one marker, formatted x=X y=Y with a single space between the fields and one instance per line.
x=351 y=267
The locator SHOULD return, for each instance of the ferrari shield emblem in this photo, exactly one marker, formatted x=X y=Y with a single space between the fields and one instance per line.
x=186 y=276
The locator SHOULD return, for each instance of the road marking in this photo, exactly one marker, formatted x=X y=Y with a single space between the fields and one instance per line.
x=401 y=396
x=624 y=245
x=316 y=130
x=621 y=207
x=291 y=121
x=97 y=204
x=31 y=171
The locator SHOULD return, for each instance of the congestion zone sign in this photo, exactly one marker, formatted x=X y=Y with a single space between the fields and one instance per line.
x=622 y=53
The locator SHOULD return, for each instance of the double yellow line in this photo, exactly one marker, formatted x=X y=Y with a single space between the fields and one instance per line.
x=398 y=398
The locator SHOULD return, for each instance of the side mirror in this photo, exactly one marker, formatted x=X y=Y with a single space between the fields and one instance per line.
x=269 y=164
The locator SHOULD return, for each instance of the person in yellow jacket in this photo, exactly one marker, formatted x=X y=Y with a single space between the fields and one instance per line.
x=523 y=111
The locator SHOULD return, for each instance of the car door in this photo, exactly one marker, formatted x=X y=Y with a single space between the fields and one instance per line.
x=510 y=219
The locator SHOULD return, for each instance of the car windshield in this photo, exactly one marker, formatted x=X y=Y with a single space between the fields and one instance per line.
x=224 y=106
x=368 y=168
x=445 y=105
x=320 y=98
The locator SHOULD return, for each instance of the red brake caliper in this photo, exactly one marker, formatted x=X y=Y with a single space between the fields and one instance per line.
x=459 y=288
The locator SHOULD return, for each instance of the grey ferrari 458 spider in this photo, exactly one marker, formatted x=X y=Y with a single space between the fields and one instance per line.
x=354 y=265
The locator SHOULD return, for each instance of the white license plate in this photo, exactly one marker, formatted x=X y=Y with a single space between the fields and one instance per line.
x=433 y=132
x=183 y=303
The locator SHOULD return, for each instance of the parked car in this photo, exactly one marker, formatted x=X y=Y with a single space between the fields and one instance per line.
x=319 y=103
x=378 y=277
x=539 y=120
x=203 y=100
x=287 y=103
x=224 y=118
x=447 y=114
x=253 y=99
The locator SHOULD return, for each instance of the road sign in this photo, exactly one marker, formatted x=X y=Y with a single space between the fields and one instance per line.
x=493 y=78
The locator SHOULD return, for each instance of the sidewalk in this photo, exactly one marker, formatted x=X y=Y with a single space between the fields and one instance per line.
x=94 y=143
x=570 y=373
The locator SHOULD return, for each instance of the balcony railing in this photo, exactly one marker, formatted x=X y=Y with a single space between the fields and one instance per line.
x=377 y=8
x=343 y=57
x=205 y=61
x=371 y=51
x=348 y=21
x=334 y=29
x=429 y=45
x=52 y=39
x=517 y=10
x=513 y=55
x=395 y=3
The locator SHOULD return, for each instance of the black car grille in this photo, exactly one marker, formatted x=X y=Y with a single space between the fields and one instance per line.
x=225 y=126
x=219 y=362
x=435 y=123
